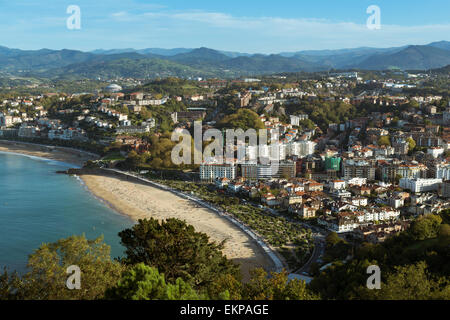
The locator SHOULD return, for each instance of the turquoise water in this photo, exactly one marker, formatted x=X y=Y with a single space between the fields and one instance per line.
x=38 y=206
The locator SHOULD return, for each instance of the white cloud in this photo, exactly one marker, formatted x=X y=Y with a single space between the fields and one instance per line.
x=153 y=25
x=274 y=34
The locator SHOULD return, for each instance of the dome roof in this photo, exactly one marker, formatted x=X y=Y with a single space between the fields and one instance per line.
x=113 y=87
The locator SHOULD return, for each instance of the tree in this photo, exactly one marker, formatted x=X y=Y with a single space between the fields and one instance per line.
x=411 y=143
x=133 y=160
x=384 y=141
x=243 y=119
x=9 y=284
x=225 y=287
x=332 y=239
x=275 y=287
x=444 y=234
x=337 y=248
x=412 y=282
x=425 y=227
x=342 y=281
x=47 y=277
x=178 y=251
x=146 y=283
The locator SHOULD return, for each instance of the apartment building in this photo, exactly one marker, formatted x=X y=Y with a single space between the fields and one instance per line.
x=420 y=185
x=358 y=169
x=210 y=172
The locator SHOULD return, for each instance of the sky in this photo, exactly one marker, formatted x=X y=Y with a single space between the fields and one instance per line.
x=249 y=26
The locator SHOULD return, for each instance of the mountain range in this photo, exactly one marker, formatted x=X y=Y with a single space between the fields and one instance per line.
x=205 y=62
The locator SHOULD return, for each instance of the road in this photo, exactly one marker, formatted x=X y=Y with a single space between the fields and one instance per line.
x=319 y=236
x=319 y=250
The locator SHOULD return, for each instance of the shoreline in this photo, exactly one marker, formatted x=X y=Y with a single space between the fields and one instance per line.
x=138 y=201
x=69 y=156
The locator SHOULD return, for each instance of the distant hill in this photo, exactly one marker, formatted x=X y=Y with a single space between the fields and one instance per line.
x=152 y=51
x=412 y=57
x=205 y=62
x=328 y=53
x=201 y=56
x=164 y=52
x=12 y=60
x=126 y=67
x=441 y=45
x=271 y=64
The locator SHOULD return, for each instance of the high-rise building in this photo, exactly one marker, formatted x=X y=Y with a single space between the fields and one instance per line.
x=211 y=172
x=276 y=170
x=249 y=171
x=354 y=169
x=420 y=185
x=302 y=149
x=443 y=172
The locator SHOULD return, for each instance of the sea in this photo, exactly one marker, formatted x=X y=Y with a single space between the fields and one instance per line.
x=38 y=205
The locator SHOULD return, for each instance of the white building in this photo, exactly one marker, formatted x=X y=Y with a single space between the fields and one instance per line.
x=420 y=185
x=337 y=185
x=213 y=171
x=357 y=181
x=302 y=148
x=435 y=152
x=377 y=214
x=360 y=201
x=295 y=120
x=26 y=131
x=443 y=171
x=276 y=170
x=5 y=121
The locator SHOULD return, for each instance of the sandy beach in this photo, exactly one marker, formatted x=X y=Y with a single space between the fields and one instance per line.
x=140 y=201
x=71 y=156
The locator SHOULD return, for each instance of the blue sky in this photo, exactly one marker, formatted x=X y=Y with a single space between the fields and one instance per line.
x=246 y=25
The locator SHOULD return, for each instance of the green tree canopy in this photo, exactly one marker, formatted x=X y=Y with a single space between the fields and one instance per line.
x=244 y=119
x=275 y=287
x=48 y=265
x=178 y=251
x=411 y=143
x=412 y=282
x=384 y=141
x=426 y=227
x=146 y=283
